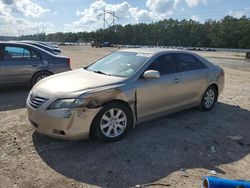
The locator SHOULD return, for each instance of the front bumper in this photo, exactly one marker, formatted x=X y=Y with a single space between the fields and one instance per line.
x=67 y=124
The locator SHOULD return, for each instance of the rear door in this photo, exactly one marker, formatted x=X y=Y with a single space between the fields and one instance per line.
x=19 y=64
x=194 y=78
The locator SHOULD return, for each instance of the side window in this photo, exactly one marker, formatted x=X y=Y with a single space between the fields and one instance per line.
x=165 y=64
x=16 y=53
x=201 y=65
x=188 y=62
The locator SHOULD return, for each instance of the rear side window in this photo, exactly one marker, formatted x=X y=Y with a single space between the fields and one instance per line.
x=165 y=64
x=19 y=53
x=34 y=55
x=1 y=52
x=188 y=62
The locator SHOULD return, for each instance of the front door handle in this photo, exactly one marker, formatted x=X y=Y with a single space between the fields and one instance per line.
x=177 y=80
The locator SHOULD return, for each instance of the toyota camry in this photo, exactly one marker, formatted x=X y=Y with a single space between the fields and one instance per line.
x=112 y=95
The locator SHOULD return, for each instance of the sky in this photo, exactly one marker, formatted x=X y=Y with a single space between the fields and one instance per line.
x=18 y=17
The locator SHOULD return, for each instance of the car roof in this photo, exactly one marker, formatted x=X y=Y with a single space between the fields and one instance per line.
x=16 y=43
x=150 y=50
x=25 y=44
x=36 y=43
x=154 y=51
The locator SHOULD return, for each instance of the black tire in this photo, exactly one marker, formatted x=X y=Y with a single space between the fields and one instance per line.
x=96 y=124
x=38 y=76
x=204 y=106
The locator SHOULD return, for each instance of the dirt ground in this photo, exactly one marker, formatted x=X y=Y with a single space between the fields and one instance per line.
x=154 y=152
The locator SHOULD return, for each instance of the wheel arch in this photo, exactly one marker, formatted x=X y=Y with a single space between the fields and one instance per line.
x=37 y=72
x=217 y=89
x=120 y=101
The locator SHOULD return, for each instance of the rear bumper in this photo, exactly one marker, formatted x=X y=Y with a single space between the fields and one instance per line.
x=66 y=124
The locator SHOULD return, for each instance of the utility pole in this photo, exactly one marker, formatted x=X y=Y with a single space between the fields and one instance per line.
x=43 y=34
x=113 y=17
x=105 y=21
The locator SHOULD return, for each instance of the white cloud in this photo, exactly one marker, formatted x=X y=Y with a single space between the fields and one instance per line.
x=194 y=3
x=195 y=18
x=161 y=6
x=30 y=9
x=160 y=9
x=139 y=15
x=16 y=16
x=239 y=13
x=91 y=18
x=26 y=7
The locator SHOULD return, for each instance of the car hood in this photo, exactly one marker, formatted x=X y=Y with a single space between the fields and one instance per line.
x=73 y=83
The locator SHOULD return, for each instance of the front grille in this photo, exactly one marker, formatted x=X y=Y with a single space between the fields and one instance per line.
x=36 y=101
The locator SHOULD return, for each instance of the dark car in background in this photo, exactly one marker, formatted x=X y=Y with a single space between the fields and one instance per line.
x=96 y=44
x=48 y=44
x=44 y=46
x=28 y=64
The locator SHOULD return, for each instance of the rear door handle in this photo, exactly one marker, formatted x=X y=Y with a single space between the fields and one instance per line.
x=206 y=74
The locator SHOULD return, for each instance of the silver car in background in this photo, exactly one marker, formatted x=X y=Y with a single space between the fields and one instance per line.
x=124 y=88
x=22 y=63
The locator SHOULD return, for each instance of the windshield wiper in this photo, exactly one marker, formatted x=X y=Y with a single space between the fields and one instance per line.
x=100 y=72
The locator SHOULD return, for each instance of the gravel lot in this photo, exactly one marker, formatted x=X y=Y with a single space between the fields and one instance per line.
x=153 y=152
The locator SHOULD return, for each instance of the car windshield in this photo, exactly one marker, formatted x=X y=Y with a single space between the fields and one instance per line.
x=121 y=64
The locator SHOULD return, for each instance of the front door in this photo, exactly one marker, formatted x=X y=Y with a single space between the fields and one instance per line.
x=162 y=94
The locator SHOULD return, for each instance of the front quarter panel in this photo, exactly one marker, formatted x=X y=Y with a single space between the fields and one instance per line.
x=124 y=93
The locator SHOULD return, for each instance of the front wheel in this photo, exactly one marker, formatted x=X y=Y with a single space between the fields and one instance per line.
x=113 y=122
x=209 y=98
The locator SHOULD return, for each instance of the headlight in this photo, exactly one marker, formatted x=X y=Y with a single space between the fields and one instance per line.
x=68 y=103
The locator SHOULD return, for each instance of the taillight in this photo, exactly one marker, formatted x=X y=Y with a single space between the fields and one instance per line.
x=68 y=61
x=221 y=72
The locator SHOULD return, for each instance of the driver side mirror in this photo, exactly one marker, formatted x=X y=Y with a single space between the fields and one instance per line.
x=151 y=74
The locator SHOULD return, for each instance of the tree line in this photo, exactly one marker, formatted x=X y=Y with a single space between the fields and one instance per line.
x=226 y=33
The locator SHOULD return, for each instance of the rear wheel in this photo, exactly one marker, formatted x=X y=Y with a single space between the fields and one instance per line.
x=113 y=122
x=39 y=76
x=209 y=98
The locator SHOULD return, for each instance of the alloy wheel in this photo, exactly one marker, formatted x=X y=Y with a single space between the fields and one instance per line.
x=113 y=122
x=209 y=98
